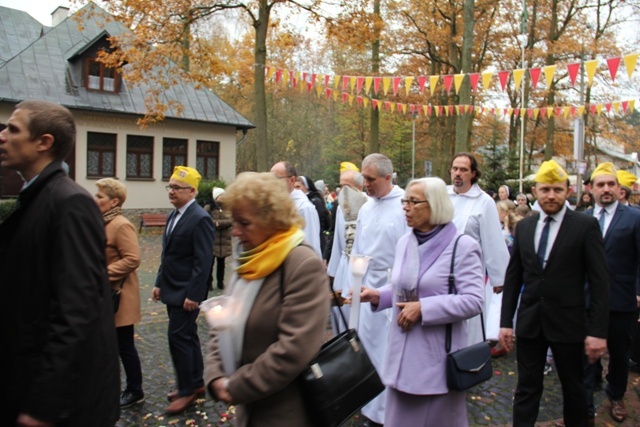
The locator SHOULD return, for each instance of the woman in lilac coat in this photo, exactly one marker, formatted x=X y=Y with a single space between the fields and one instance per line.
x=414 y=370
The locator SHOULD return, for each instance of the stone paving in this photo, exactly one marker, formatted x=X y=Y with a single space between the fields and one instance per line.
x=488 y=404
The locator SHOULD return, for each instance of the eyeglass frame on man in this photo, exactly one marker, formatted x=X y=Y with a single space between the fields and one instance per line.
x=175 y=187
x=412 y=202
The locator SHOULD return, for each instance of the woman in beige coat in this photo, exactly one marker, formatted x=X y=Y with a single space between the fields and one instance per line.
x=279 y=290
x=123 y=258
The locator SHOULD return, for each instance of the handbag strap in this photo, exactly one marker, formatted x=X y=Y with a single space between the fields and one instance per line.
x=452 y=290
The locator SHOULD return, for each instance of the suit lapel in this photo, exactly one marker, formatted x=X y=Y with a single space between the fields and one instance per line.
x=563 y=232
x=528 y=240
x=617 y=217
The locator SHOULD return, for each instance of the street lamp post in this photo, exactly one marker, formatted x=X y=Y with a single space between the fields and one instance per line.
x=522 y=39
x=413 y=146
x=578 y=134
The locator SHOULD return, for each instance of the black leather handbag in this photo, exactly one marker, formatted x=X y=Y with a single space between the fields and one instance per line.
x=115 y=296
x=340 y=380
x=471 y=365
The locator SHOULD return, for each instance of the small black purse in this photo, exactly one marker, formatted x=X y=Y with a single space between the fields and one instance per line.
x=471 y=365
x=115 y=296
x=340 y=380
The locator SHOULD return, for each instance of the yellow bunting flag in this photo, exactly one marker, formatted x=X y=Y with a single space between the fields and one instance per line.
x=549 y=71
x=319 y=90
x=365 y=102
x=599 y=109
x=616 y=106
x=632 y=103
x=517 y=77
x=433 y=82
x=581 y=110
x=591 y=67
x=367 y=84
x=404 y=108
x=536 y=112
x=407 y=83
x=336 y=81
x=523 y=111
x=386 y=82
x=630 y=62
x=285 y=77
x=271 y=72
x=457 y=81
x=351 y=98
x=566 y=111
x=549 y=112
x=486 y=79
x=352 y=82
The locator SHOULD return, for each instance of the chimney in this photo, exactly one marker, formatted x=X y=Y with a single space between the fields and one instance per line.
x=59 y=15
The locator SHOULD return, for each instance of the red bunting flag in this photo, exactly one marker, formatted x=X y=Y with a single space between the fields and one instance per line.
x=399 y=107
x=516 y=112
x=294 y=82
x=474 y=78
x=387 y=105
x=278 y=75
x=327 y=92
x=573 y=111
x=314 y=76
x=422 y=81
x=504 y=79
x=376 y=84
x=573 y=72
x=359 y=83
x=625 y=105
x=440 y=108
x=530 y=112
x=412 y=108
x=304 y=76
x=558 y=111
x=429 y=110
x=448 y=80
x=326 y=80
x=359 y=100
x=374 y=103
x=471 y=109
x=450 y=107
x=608 y=107
x=613 y=64
x=396 y=83
x=345 y=83
x=535 y=76
x=592 y=109
x=345 y=96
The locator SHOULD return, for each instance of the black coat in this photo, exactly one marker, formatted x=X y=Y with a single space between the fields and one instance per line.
x=554 y=299
x=59 y=350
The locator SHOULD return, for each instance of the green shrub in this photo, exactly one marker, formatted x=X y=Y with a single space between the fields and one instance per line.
x=6 y=207
x=205 y=188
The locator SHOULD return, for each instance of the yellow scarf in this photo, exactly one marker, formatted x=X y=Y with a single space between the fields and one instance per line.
x=264 y=259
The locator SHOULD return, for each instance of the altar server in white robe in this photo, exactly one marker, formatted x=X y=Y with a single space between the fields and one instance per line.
x=380 y=224
x=475 y=214
x=350 y=200
x=308 y=212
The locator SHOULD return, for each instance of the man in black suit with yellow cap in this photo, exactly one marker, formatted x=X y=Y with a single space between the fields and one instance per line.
x=183 y=282
x=620 y=227
x=554 y=253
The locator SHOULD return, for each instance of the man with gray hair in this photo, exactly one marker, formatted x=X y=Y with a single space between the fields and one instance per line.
x=380 y=224
x=287 y=171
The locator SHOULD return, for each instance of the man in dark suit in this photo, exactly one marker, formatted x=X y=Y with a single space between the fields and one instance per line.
x=620 y=226
x=554 y=253
x=59 y=347
x=182 y=283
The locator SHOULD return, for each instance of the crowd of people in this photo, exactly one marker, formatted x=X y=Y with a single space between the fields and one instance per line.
x=551 y=281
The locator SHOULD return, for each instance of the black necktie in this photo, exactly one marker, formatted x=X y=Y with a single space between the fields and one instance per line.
x=544 y=238
x=172 y=222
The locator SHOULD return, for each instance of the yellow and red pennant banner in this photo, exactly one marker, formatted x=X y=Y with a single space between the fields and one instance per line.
x=362 y=85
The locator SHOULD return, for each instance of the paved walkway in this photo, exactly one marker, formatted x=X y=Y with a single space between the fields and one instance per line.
x=488 y=404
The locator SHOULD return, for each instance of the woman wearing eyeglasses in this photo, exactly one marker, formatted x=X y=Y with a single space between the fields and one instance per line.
x=414 y=370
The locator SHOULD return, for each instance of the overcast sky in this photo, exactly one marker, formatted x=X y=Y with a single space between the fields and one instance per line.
x=39 y=9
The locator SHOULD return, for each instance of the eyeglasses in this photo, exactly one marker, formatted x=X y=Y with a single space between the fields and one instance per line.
x=176 y=188
x=283 y=177
x=412 y=202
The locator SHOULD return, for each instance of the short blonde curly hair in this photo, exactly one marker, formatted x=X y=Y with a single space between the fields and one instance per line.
x=269 y=197
x=113 y=189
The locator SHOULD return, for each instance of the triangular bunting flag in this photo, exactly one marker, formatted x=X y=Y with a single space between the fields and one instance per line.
x=278 y=75
x=504 y=79
x=360 y=82
x=352 y=82
x=616 y=106
x=591 y=67
x=374 y=103
x=327 y=92
x=351 y=98
x=573 y=72
x=516 y=111
x=367 y=84
x=433 y=81
x=396 y=84
x=376 y=84
x=625 y=106
x=314 y=76
x=549 y=112
x=581 y=111
x=336 y=81
x=517 y=77
x=408 y=81
x=345 y=96
x=458 y=78
x=392 y=106
x=422 y=80
x=608 y=107
x=448 y=80
x=318 y=90
x=630 y=63
x=345 y=83
x=592 y=109
x=359 y=100
x=386 y=82
x=473 y=80
x=632 y=103
x=536 y=113
x=549 y=71
x=326 y=80
x=486 y=79
x=365 y=102
x=387 y=105
x=458 y=107
x=613 y=64
x=336 y=94
x=535 y=76
x=599 y=109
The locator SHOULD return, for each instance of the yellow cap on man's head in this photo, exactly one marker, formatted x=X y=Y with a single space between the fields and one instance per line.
x=606 y=168
x=348 y=166
x=188 y=175
x=626 y=178
x=551 y=172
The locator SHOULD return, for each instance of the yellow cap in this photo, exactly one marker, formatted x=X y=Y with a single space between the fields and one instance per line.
x=551 y=172
x=626 y=178
x=606 y=168
x=348 y=166
x=188 y=175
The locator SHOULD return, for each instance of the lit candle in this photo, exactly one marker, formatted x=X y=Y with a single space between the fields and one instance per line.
x=219 y=312
x=358 y=265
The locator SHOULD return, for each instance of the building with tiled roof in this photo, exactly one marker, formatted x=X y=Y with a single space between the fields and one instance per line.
x=58 y=64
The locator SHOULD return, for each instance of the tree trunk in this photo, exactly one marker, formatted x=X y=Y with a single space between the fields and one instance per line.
x=463 y=124
x=260 y=118
x=374 y=143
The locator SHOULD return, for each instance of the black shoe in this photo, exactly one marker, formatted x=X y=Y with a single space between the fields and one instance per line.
x=220 y=285
x=129 y=398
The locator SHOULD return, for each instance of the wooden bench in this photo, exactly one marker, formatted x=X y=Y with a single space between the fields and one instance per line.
x=152 y=220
